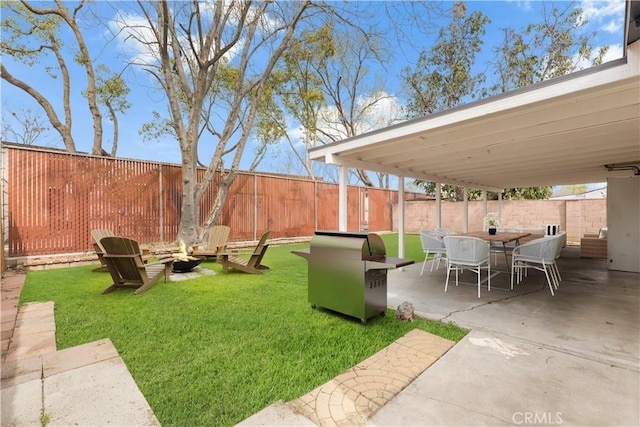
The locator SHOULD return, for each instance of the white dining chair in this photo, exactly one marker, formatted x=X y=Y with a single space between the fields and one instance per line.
x=432 y=244
x=441 y=232
x=469 y=253
x=560 y=243
x=539 y=254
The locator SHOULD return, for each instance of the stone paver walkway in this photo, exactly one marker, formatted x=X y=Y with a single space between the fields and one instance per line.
x=85 y=385
x=9 y=298
x=352 y=397
x=34 y=333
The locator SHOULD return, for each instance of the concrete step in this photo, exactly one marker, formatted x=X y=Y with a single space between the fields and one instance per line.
x=9 y=297
x=83 y=385
x=34 y=333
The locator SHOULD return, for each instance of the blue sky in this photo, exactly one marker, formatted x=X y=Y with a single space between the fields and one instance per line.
x=605 y=18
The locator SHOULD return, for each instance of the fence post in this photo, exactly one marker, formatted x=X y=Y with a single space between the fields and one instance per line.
x=359 y=208
x=342 y=200
x=255 y=206
x=315 y=205
x=161 y=203
x=4 y=209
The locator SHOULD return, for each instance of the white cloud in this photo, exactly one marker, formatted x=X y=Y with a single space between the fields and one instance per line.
x=135 y=37
x=614 y=52
x=607 y=15
x=613 y=27
x=138 y=41
x=374 y=112
x=522 y=4
x=295 y=133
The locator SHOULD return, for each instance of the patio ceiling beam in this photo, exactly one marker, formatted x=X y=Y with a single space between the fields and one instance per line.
x=530 y=138
x=581 y=156
x=545 y=120
x=357 y=164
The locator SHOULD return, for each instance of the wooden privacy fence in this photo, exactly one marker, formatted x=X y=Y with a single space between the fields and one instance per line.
x=53 y=199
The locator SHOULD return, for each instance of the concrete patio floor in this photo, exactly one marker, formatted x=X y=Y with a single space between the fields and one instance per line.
x=530 y=358
x=595 y=313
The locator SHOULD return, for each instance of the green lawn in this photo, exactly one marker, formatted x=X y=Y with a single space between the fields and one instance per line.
x=215 y=350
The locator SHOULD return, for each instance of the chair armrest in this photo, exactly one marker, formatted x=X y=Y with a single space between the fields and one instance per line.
x=237 y=252
x=162 y=261
x=147 y=257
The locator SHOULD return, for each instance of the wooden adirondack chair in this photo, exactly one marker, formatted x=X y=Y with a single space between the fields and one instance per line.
x=252 y=264
x=217 y=243
x=128 y=270
x=97 y=235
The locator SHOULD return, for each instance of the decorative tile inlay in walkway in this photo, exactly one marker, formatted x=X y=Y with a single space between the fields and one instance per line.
x=354 y=396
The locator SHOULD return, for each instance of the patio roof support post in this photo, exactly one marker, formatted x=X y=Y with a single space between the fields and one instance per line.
x=500 y=207
x=485 y=209
x=401 y=216
x=438 y=205
x=465 y=198
x=342 y=199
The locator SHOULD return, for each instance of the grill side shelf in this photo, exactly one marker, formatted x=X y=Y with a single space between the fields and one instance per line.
x=386 y=262
x=304 y=253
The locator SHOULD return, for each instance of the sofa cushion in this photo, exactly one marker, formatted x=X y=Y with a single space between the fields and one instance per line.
x=602 y=234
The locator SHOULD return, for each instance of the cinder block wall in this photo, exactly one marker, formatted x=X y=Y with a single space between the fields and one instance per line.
x=576 y=217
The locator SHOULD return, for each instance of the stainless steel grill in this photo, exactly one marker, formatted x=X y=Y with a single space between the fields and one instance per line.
x=348 y=273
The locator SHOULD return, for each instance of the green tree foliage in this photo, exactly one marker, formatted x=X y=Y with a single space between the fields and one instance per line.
x=32 y=34
x=331 y=90
x=112 y=92
x=543 y=50
x=301 y=88
x=530 y=193
x=455 y=194
x=443 y=77
x=569 y=190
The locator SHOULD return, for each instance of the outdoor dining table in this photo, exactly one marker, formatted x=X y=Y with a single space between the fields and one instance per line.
x=499 y=237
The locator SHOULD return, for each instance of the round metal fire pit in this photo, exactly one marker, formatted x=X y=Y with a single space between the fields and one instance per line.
x=186 y=266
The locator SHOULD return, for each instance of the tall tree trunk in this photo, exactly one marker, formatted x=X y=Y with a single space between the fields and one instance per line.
x=189 y=214
x=364 y=177
x=114 y=119
x=218 y=205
